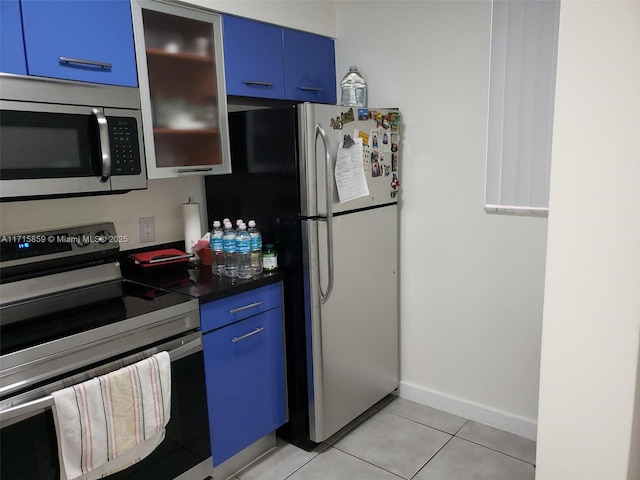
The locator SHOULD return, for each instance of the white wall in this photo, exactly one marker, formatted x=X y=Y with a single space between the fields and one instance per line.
x=315 y=16
x=591 y=327
x=162 y=200
x=471 y=283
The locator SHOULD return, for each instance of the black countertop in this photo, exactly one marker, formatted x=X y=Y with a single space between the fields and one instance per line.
x=200 y=283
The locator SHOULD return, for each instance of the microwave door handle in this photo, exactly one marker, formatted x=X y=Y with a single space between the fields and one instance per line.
x=105 y=147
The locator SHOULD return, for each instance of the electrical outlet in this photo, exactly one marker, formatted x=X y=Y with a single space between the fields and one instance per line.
x=147 y=229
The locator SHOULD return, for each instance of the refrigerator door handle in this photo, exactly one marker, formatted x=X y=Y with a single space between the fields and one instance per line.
x=324 y=295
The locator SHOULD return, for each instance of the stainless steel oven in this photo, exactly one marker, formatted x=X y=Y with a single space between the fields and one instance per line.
x=63 y=138
x=80 y=319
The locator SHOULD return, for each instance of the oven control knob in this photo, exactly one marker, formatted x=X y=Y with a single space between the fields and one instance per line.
x=82 y=239
x=102 y=236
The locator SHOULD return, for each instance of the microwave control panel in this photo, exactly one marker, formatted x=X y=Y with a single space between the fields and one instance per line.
x=125 y=146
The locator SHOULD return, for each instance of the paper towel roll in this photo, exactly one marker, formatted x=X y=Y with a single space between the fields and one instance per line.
x=192 y=226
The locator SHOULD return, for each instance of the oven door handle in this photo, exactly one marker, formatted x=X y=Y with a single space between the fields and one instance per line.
x=32 y=407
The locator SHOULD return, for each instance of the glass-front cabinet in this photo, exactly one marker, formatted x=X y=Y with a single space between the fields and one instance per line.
x=184 y=110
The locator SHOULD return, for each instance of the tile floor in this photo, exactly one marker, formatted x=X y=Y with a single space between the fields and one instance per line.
x=399 y=439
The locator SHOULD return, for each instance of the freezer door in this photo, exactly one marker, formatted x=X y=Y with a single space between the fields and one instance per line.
x=321 y=129
x=353 y=334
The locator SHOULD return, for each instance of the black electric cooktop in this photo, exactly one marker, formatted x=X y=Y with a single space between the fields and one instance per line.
x=123 y=300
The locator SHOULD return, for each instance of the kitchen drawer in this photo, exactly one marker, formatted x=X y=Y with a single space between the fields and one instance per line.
x=246 y=394
x=243 y=305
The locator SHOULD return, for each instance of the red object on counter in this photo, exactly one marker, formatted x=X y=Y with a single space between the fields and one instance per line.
x=160 y=258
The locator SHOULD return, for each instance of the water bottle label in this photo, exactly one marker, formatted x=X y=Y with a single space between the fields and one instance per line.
x=243 y=245
x=256 y=242
x=229 y=244
x=216 y=244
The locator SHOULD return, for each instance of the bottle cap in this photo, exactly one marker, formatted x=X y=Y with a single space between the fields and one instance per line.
x=353 y=68
x=252 y=223
x=216 y=224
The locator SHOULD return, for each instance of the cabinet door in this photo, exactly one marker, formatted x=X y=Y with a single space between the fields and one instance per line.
x=254 y=65
x=310 y=67
x=11 y=41
x=96 y=36
x=244 y=365
x=182 y=94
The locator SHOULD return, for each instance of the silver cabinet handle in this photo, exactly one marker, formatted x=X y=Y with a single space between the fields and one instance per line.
x=256 y=82
x=105 y=146
x=246 y=307
x=247 y=335
x=311 y=89
x=194 y=170
x=324 y=296
x=91 y=63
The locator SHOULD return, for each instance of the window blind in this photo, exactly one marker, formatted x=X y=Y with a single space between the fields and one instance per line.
x=524 y=39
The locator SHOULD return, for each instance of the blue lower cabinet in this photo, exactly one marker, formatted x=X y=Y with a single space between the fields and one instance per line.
x=245 y=374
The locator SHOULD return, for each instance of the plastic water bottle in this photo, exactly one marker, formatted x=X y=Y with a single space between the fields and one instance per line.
x=256 y=248
x=217 y=250
x=238 y=223
x=354 y=89
x=243 y=245
x=230 y=253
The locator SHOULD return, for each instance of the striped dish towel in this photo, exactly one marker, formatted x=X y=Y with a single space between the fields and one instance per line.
x=110 y=422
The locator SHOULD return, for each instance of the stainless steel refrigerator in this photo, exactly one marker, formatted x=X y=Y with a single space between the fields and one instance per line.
x=335 y=225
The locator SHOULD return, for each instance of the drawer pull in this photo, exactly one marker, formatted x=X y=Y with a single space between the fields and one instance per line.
x=247 y=335
x=90 y=63
x=311 y=89
x=246 y=307
x=256 y=82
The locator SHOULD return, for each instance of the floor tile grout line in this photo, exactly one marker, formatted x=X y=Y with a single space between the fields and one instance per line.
x=458 y=431
x=432 y=457
x=495 y=450
x=306 y=463
x=424 y=424
x=372 y=464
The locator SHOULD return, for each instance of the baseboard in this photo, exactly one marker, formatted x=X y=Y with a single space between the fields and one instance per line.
x=516 y=424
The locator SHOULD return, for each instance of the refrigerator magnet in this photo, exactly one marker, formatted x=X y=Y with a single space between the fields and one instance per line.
x=394 y=162
x=363 y=114
x=394 y=119
x=386 y=141
x=375 y=140
x=363 y=135
x=395 y=183
x=376 y=171
x=366 y=156
x=394 y=142
x=387 y=170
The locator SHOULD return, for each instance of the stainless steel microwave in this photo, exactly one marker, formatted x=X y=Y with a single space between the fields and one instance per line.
x=62 y=138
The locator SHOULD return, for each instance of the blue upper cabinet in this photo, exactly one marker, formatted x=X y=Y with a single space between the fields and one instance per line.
x=11 y=41
x=267 y=61
x=253 y=58
x=90 y=41
x=310 y=67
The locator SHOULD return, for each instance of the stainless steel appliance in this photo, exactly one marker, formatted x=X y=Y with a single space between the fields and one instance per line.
x=67 y=315
x=63 y=138
x=340 y=258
